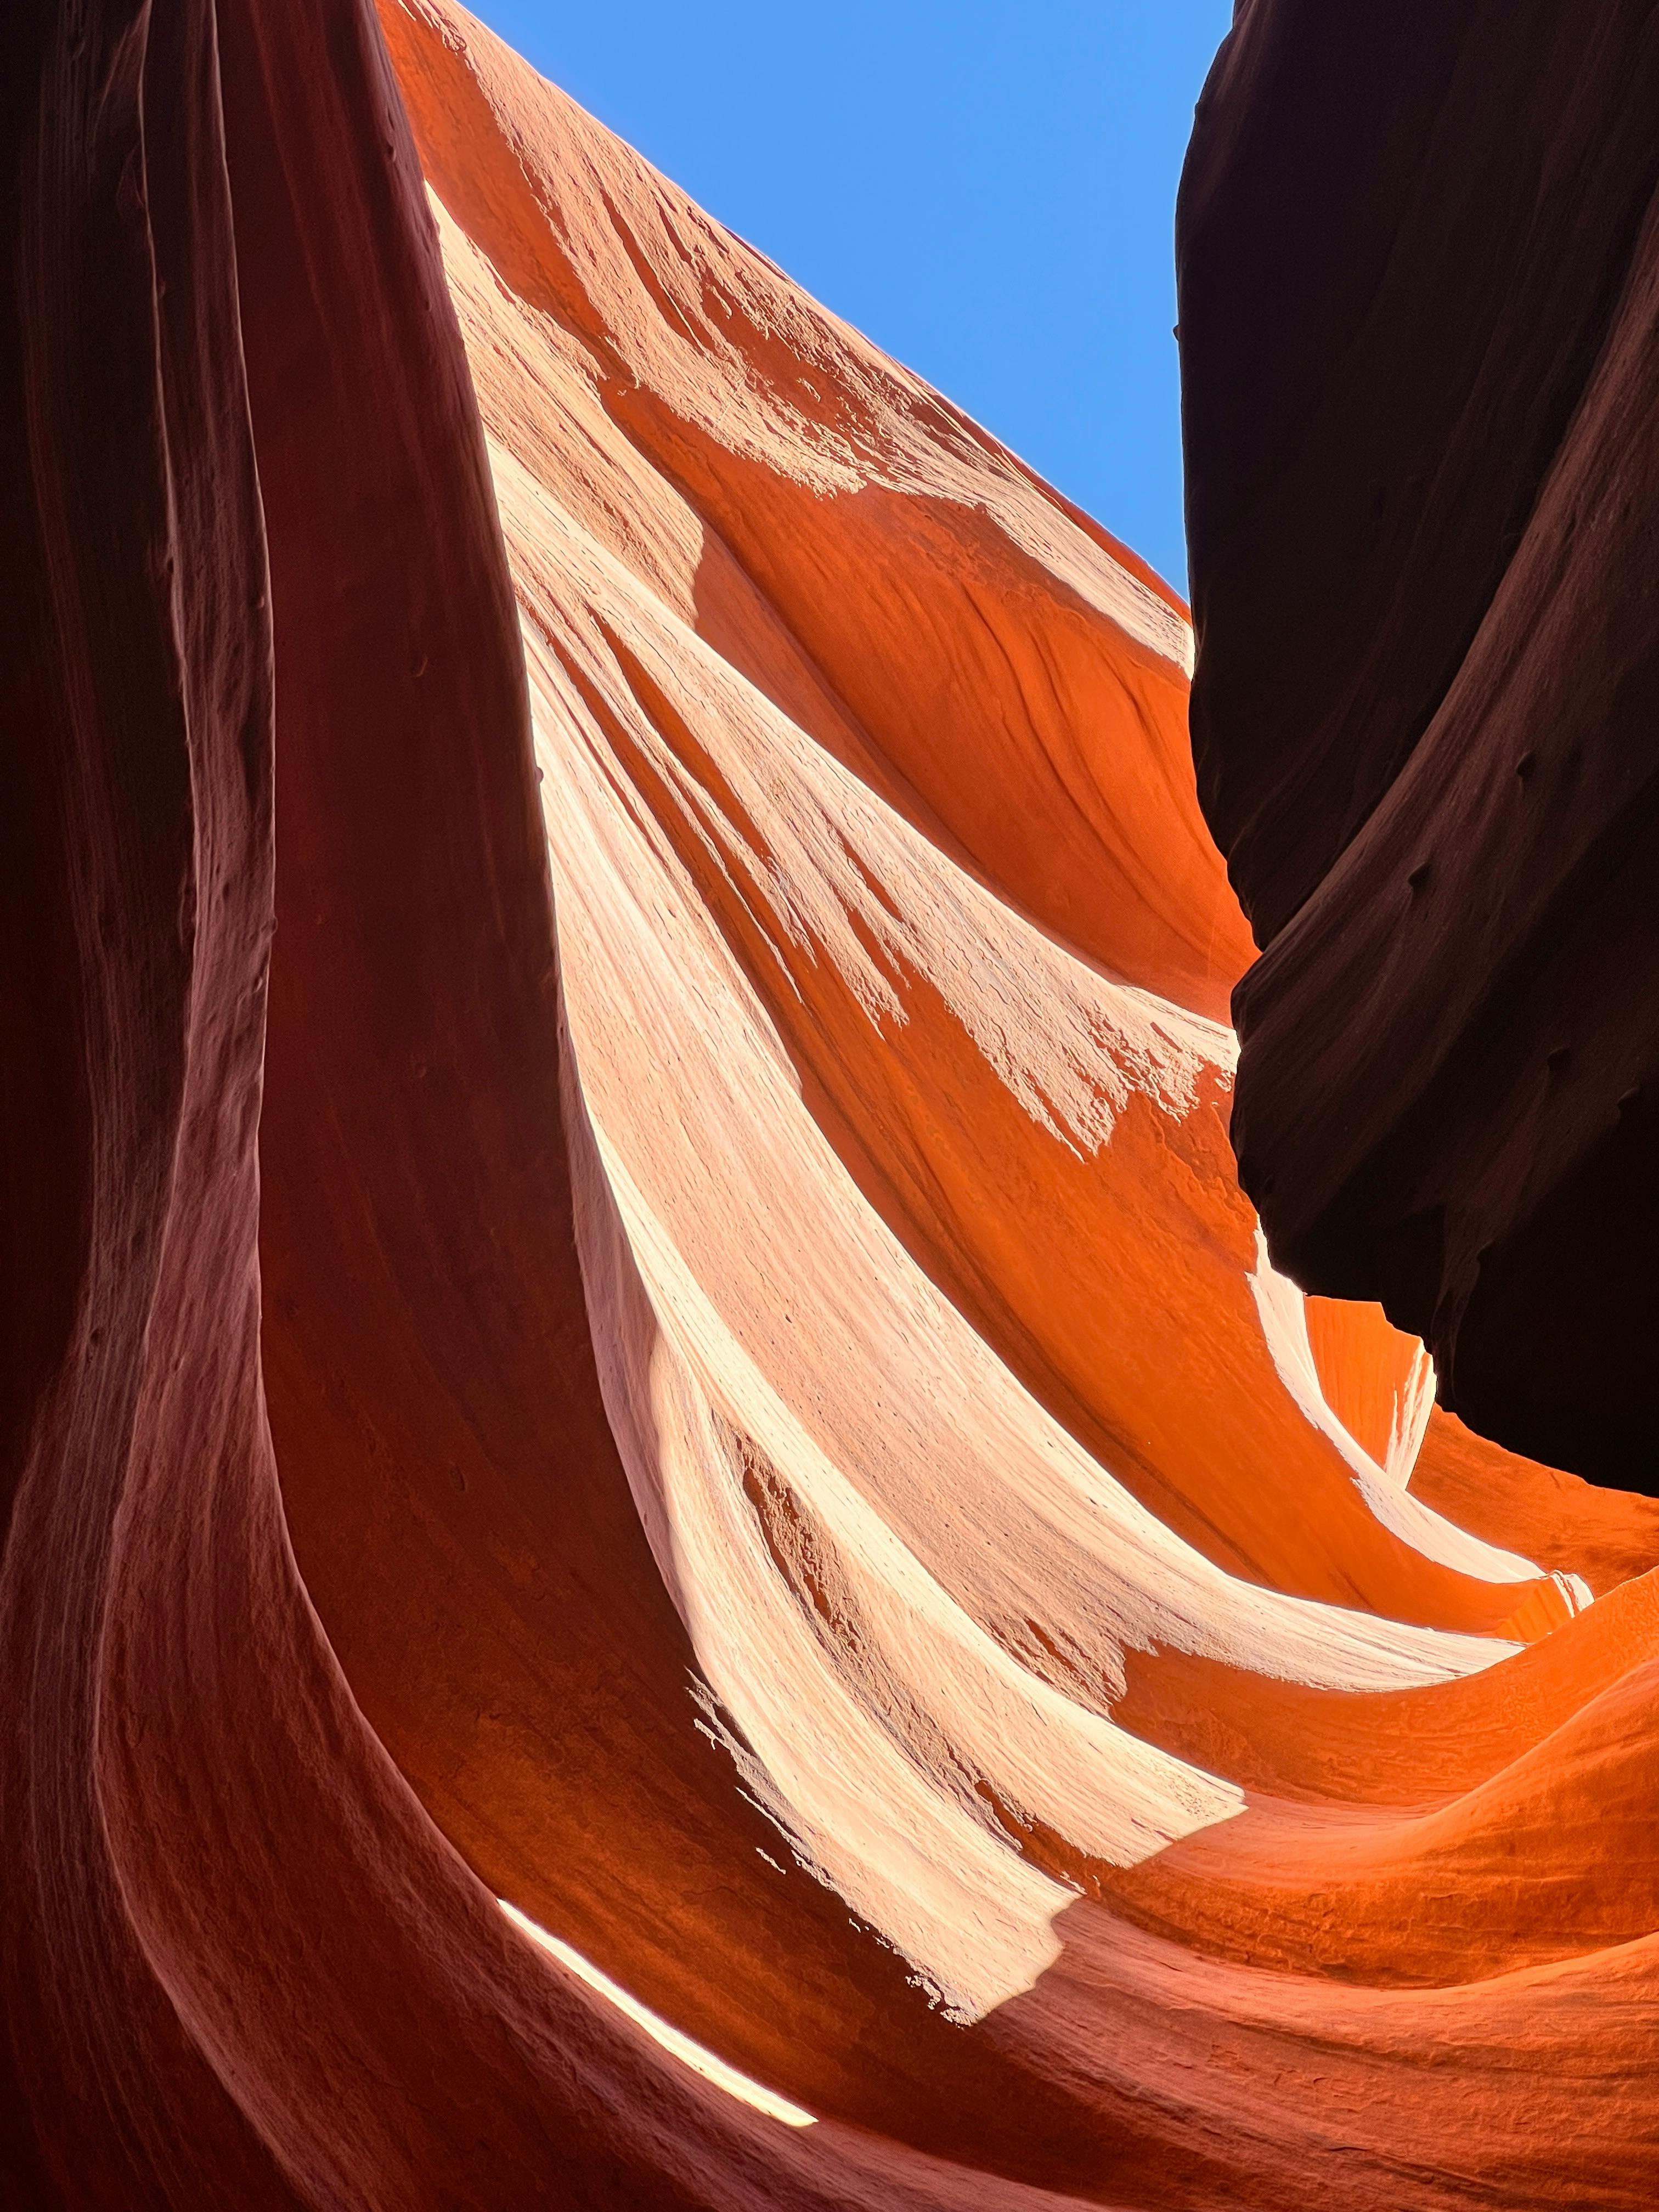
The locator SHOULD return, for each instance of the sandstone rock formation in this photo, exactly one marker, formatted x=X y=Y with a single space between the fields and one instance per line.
x=627 y=1289
x=1419 y=285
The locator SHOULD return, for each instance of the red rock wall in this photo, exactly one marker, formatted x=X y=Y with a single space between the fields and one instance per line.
x=1420 y=271
x=628 y=1292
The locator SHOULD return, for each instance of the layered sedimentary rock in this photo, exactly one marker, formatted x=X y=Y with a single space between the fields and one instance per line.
x=630 y=1293
x=1419 y=278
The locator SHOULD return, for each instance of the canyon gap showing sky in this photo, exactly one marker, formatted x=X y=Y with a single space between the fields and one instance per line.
x=988 y=190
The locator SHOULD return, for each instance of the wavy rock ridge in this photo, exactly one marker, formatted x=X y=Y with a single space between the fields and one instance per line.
x=796 y=1472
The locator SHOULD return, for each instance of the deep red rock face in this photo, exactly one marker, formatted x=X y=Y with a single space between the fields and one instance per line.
x=626 y=1291
x=1419 y=277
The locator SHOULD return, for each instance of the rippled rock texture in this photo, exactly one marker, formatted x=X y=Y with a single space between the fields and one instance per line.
x=1419 y=288
x=627 y=1290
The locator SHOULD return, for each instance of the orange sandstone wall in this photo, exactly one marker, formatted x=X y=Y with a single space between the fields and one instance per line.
x=656 y=870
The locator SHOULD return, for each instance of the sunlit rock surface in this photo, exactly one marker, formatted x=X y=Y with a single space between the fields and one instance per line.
x=629 y=1293
x=1419 y=312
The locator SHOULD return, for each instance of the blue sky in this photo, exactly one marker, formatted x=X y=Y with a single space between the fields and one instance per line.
x=987 y=190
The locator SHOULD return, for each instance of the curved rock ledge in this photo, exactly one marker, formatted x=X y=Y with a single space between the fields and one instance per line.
x=628 y=1294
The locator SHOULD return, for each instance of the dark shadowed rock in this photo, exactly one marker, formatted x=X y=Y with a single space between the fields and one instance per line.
x=1419 y=286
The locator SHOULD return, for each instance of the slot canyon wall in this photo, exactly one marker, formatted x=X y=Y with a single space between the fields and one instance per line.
x=1418 y=249
x=627 y=1290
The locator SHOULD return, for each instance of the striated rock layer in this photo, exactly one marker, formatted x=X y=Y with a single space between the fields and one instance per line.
x=1419 y=310
x=628 y=1292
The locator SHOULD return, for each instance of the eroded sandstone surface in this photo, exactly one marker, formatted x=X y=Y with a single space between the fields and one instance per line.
x=628 y=1292
x=1419 y=285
